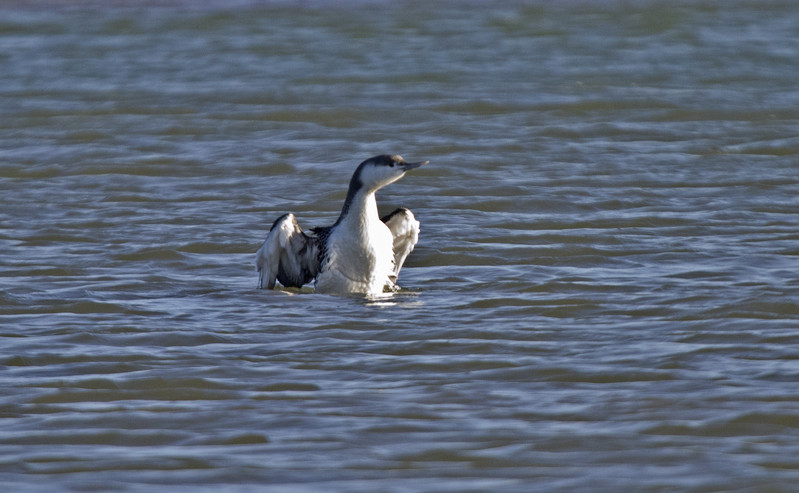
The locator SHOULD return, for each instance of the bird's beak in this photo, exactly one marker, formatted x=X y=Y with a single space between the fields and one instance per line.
x=408 y=166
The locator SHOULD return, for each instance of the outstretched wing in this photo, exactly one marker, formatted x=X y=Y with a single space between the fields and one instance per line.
x=405 y=229
x=287 y=255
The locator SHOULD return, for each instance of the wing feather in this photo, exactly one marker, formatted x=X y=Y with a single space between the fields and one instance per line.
x=287 y=255
x=405 y=229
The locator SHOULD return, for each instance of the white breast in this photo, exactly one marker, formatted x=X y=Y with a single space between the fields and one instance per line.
x=359 y=259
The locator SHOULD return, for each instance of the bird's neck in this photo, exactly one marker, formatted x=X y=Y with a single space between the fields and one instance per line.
x=360 y=209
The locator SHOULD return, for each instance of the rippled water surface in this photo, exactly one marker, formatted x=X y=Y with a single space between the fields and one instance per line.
x=605 y=295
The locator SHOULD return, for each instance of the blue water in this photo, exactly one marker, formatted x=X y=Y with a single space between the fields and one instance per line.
x=604 y=296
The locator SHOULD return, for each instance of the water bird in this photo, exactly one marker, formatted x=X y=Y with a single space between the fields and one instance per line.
x=361 y=253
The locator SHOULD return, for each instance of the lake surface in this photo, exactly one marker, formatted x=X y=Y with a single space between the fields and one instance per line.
x=604 y=297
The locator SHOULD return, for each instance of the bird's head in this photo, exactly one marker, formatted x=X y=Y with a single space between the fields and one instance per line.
x=379 y=171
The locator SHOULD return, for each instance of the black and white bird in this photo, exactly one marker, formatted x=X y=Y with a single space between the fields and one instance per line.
x=361 y=253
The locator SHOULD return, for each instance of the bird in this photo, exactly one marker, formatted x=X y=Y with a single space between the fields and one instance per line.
x=360 y=254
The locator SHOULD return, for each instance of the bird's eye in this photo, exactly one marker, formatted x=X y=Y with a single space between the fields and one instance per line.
x=393 y=163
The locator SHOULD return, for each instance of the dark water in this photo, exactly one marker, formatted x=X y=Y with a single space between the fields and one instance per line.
x=605 y=295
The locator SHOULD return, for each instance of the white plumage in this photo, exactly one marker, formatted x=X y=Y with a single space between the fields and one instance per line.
x=361 y=253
